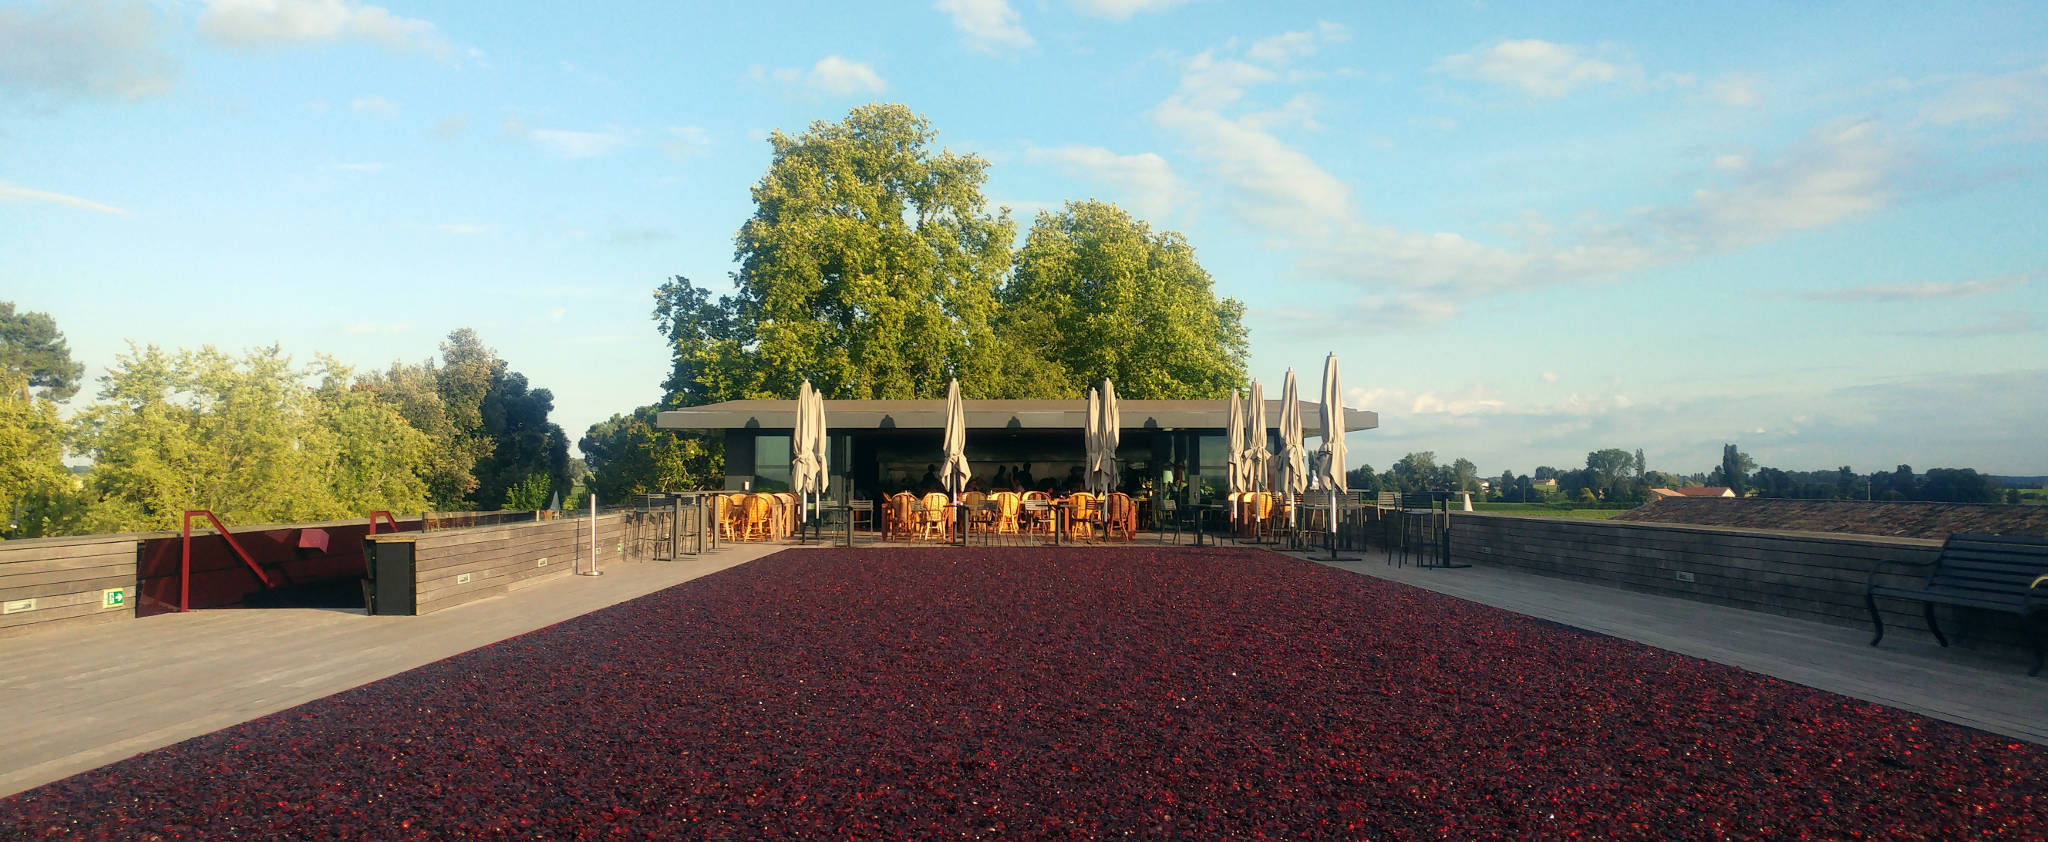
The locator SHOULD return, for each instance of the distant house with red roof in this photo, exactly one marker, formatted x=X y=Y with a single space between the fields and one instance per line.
x=1692 y=491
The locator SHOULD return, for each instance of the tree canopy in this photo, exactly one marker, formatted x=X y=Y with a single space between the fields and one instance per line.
x=1097 y=293
x=32 y=347
x=870 y=266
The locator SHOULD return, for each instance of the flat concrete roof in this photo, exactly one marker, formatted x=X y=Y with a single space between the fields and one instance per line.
x=1070 y=414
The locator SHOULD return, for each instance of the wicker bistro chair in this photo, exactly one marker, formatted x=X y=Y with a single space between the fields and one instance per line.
x=1008 y=505
x=1042 y=516
x=899 y=516
x=1082 y=510
x=732 y=513
x=979 y=516
x=760 y=517
x=935 y=518
x=1120 y=515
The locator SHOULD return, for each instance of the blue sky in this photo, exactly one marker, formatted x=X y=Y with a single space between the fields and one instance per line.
x=1528 y=231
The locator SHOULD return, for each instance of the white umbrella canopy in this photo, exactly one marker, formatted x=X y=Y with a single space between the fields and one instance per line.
x=1330 y=458
x=956 y=472
x=1102 y=472
x=1233 y=464
x=1293 y=457
x=819 y=438
x=803 y=460
x=1256 y=456
x=1091 y=435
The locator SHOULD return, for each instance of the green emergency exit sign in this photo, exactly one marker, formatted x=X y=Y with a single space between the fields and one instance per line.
x=113 y=597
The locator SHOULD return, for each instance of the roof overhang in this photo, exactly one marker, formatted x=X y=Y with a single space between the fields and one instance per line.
x=991 y=415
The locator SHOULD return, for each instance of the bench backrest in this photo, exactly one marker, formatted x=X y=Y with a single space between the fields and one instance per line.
x=1989 y=564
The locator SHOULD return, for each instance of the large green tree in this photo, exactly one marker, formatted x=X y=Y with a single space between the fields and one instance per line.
x=35 y=488
x=33 y=347
x=1097 y=293
x=870 y=266
x=628 y=455
x=244 y=437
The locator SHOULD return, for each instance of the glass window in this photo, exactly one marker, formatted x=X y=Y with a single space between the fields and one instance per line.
x=771 y=463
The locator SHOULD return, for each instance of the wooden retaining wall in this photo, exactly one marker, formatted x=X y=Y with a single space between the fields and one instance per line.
x=1806 y=575
x=464 y=565
x=53 y=583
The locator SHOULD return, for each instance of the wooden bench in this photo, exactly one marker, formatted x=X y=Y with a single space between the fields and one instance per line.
x=1987 y=572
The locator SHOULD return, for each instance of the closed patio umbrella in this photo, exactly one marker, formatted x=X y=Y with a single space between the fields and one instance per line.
x=1102 y=472
x=1091 y=436
x=1293 y=458
x=803 y=461
x=956 y=472
x=1330 y=458
x=1233 y=460
x=1256 y=456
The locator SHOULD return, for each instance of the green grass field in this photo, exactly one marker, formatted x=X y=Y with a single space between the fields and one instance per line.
x=1545 y=510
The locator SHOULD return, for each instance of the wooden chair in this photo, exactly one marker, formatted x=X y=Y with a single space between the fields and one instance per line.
x=899 y=517
x=1120 y=514
x=935 y=520
x=1082 y=510
x=978 y=515
x=760 y=511
x=731 y=514
x=1008 y=504
x=1042 y=522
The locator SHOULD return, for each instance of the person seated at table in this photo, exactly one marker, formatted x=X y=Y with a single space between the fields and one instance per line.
x=1002 y=478
x=1076 y=481
x=974 y=483
x=1022 y=478
x=930 y=483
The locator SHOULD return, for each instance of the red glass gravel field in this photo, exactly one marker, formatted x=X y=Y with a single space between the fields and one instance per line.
x=1062 y=694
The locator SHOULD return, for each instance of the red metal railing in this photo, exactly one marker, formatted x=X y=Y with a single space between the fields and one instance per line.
x=185 y=560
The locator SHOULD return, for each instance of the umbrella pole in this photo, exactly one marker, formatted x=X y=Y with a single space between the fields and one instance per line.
x=1333 y=531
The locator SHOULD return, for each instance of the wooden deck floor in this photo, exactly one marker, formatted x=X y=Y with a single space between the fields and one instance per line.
x=1908 y=671
x=78 y=700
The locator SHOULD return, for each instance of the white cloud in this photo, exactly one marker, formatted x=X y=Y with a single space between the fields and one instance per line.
x=986 y=25
x=1838 y=171
x=1411 y=279
x=556 y=314
x=1279 y=187
x=269 y=23
x=1918 y=291
x=462 y=228
x=835 y=75
x=375 y=328
x=2014 y=98
x=451 y=126
x=1738 y=90
x=10 y=192
x=374 y=104
x=84 y=50
x=1286 y=47
x=572 y=144
x=1549 y=377
x=685 y=141
x=1122 y=9
x=564 y=143
x=1540 y=68
x=1146 y=180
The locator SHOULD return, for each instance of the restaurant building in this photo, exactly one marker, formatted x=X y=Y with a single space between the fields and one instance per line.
x=884 y=446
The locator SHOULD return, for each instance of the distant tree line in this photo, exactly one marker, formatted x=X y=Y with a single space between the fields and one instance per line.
x=256 y=438
x=1614 y=475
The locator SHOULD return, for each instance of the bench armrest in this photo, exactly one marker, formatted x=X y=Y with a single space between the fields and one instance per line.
x=1871 y=582
x=2038 y=590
